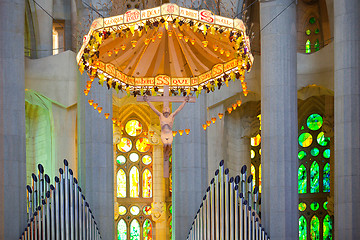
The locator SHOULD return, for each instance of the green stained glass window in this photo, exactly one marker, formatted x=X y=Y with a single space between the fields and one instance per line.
x=121 y=183
x=147 y=230
x=327 y=228
x=314 y=122
x=121 y=229
x=308 y=46
x=170 y=209
x=312 y=20
x=326 y=178
x=302 y=228
x=302 y=207
x=325 y=205
x=305 y=139
x=317 y=31
x=315 y=228
x=308 y=32
x=322 y=140
x=314 y=177
x=326 y=153
x=302 y=182
x=314 y=152
x=317 y=45
x=301 y=154
x=302 y=128
x=314 y=206
x=134 y=230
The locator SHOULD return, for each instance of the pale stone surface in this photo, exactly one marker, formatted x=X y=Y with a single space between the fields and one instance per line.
x=45 y=25
x=95 y=155
x=12 y=120
x=347 y=118
x=189 y=166
x=279 y=120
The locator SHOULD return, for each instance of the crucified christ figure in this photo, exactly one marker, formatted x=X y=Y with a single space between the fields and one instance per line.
x=166 y=123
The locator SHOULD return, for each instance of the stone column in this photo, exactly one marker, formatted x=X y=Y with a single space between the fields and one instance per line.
x=279 y=119
x=45 y=24
x=189 y=166
x=12 y=120
x=95 y=155
x=347 y=118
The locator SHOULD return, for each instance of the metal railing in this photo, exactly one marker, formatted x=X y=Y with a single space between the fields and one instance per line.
x=229 y=210
x=58 y=212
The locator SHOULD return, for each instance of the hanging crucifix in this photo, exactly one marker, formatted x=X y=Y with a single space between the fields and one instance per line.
x=166 y=119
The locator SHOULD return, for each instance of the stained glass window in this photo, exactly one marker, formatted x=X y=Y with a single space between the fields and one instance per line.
x=305 y=139
x=260 y=178
x=147 y=184
x=315 y=228
x=302 y=207
x=326 y=178
x=314 y=152
x=134 y=157
x=121 y=183
x=253 y=173
x=134 y=210
x=325 y=205
x=147 y=230
x=121 y=159
x=121 y=229
x=133 y=128
x=134 y=182
x=134 y=230
x=327 y=228
x=308 y=32
x=302 y=179
x=314 y=122
x=322 y=140
x=146 y=159
x=326 y=153
x=314 y=177
x=147 y=210
x=143 y=145
x=252 y=153
x=302 y=228
x=314 y=206
x=301 y=155
x=317 y=45
x=312 y=20
x=122 y=210
x=125 y=145
x=308 y=46
x=255 y=141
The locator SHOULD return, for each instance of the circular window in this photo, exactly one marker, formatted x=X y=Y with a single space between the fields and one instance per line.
x=133 y=128
x=314 y=152
x=301 y=154
x=134 y=210
x=325 y=205
x=322 y=140
x=147 y=210
x=314 y=122
x=134 y=157
x=255 y=141
x=146 y=159
x=314 y=206
x=125 y=145
x=143 y=145
x=305 y=139
x=120 y=159
x=302 y=207
x=326 y=153
x=122 y=210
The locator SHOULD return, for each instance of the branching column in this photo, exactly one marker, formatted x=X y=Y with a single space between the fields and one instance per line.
x=279 y=119
x=347 y=118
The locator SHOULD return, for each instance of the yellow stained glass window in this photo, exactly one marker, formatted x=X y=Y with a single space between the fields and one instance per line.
x=134 y=210
x=147 y=210
x=253 y=173
x=147 y=184
x=146 y=159
x=125 y=145
x=122 y=210
x=133 y=128
x=134 y=182
x=143 y=145
x=121 y=183
x=255 y=141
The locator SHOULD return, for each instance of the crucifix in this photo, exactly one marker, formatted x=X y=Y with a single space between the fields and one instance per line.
x=166 y=119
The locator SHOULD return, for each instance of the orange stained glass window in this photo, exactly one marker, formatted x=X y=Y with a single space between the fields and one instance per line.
x=255 y=141
x=143 y=145
x=134 y=182
x=121 y=183
x=260 y=178
x=147 y=184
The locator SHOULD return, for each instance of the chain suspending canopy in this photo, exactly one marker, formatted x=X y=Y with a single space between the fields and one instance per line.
x=188 y=50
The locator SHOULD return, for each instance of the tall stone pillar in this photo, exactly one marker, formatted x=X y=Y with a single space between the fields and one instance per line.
x=189 y=166
x=347 y=118
x=95 y=156
x=279 y=119
x=12 y=120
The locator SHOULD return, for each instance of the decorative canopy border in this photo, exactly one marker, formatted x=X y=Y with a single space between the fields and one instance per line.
x=165 y=15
